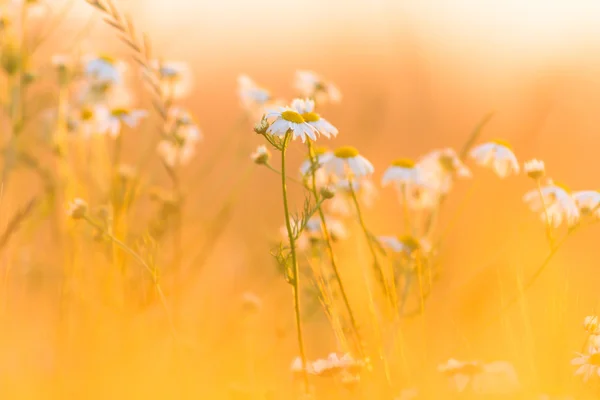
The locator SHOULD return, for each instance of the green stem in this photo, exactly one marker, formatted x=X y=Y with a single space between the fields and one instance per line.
x=363 y=226
x=330 y=252
x=296 y=275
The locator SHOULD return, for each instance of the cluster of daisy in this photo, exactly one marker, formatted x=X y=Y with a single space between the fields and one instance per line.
x=100 y=101
x=588 y=361
x=342 y=182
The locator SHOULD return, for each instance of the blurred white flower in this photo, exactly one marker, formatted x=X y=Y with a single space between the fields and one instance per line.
x=412 y=184
x=88 y=121
x=498 y=156
x=593 y=343
x=254 y=99
x=183 y=136
x=589 y=365
x=335 y=227
x=298 y=368
x=535 y=169
x=306 y=108
x=405 y=245
x=91 y=92
x=261 y=155
x=588 y=202
x=460 y=372
x=560 y=206
x=439 y=168
x=488 y=379
x=401 y=171
x=119 y=116
x=322 y=154
x=288 y=119
x=311 y=85
x=175 y=78
x=104 y=69
x=347 y=162
x=591 y=324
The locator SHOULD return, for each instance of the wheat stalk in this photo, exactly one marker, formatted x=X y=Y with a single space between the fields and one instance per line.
x=15 y=222
x=139 y=45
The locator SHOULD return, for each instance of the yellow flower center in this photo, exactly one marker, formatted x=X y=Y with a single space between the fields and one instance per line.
x=86 y=114
x=106 y=58
x=562 y=186
x=594 y=359
x=410 y=242
x=447 y=163
x=119 y=112
x=403 y=163
x=502 y=142
x=346 y=152
x=311 y=117
x=321 y=150
x=292 y=116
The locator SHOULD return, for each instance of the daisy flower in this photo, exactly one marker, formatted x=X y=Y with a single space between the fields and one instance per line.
x=287 y=119
x=560 y=206
x=588 y=202
x=589 y=365
x=261 y=155
x=535 y=169
x=402 y=171
x=498 y=156
x=123 y=116
x=322 y=155
x=406 y=245
x=104 y=69
x=311 y=85
x=175 y=77
x=306 y=108
x=88 y=121
x=347 y=162
x=412 y=184
x=440 y=167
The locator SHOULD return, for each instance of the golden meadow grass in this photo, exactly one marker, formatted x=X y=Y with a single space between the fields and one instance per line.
x=353 y=276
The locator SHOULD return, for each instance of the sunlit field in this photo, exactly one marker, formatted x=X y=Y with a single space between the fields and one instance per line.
x=272 y=200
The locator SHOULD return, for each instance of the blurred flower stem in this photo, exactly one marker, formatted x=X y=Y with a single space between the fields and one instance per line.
x=296 y=274
x=327 y=237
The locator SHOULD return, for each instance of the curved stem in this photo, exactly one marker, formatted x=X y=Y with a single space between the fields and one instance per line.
x=330 y=253
x=296 y=274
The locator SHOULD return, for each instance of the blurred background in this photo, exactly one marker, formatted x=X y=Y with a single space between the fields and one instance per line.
x=414 y=76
